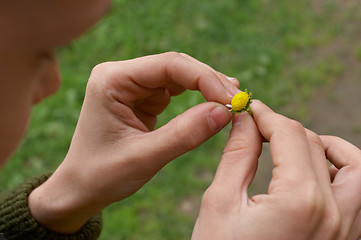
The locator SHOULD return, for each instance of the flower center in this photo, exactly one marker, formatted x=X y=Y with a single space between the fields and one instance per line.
x=239 y=101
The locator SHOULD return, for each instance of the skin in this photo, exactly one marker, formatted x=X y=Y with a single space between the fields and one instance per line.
x=29 y=70
x=115 y=151
x=111 y=162
x=302 y=202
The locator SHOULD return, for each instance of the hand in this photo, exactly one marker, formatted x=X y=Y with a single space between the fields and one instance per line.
x=114 y=151
x=301 y=202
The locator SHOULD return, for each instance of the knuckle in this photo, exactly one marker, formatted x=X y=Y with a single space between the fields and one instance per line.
x=291 y=127
x=107 y=81
x=189 y=137
x=172 y=59
x=295 y=126
x=314 y=138
x=210 y=200
x=207 y=197
x=100 y=69
x=171 y=55
x=240 y=148
x=182 y=134
x=308 y=207
x=313 y=201
x=99 y=72
x=235 y=145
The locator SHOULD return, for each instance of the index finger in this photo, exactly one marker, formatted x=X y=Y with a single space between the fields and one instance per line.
x=176 y=72
x=288 y=143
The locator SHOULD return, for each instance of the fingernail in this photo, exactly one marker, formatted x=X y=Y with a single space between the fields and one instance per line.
x=237 y=119
x=232 y=91
x=218 y=118
x=230 y=78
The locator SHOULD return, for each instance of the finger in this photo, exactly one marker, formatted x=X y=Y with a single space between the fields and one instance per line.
x=221 y=76
x=239 y=161
x=194 y=60
x=185 y=132
x=289 y=149
x=319 y=162
x=169 y=70
x=355 y=232
x=147 y=109
x=347 y=182
x=331 y=211
x=333 y=171
x=234 y=81
x=340 y=152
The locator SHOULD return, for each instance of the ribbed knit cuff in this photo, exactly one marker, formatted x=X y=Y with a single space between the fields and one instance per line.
x=16 y=221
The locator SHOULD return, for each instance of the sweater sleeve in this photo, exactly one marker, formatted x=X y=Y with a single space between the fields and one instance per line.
x=16 y=221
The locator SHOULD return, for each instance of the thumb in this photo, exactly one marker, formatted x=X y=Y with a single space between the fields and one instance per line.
x=187 y=131
x=239 y=161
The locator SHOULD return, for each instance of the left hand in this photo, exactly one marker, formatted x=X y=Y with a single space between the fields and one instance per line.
x=114 y=151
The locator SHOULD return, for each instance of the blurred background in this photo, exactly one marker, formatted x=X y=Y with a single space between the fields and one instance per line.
x=302 y=58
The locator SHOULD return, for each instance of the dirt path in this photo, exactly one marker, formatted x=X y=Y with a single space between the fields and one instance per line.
x=334 y=109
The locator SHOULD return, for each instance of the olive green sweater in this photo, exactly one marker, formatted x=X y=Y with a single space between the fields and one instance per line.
x=17 y=223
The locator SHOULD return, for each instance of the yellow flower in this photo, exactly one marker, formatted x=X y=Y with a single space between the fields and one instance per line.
x=240 y=102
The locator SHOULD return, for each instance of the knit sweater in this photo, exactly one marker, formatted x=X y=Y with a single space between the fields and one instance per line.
x=16 y=221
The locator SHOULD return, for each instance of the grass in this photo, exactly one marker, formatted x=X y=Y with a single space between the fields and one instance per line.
x=259 y=42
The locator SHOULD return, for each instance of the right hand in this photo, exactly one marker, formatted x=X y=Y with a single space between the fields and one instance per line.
x=302 y=202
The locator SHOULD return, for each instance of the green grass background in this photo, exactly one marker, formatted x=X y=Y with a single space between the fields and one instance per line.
x=259 y=42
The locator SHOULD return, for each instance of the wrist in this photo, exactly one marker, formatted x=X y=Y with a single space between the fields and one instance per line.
x=59 y=207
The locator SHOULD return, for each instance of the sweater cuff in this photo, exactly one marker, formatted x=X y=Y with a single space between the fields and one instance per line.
x=16 y=222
